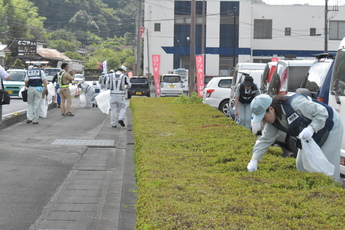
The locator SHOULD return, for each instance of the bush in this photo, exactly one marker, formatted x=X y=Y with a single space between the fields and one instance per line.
x=191 y=174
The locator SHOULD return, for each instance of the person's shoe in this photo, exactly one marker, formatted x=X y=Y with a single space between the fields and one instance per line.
x=63 y=114
x=122 y=123
x=69 y=114
x=58 y=105
x=114 y=126
x=28 y=121
x=35 y=122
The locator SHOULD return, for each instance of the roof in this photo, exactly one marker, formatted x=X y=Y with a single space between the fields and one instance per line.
x=51 y=54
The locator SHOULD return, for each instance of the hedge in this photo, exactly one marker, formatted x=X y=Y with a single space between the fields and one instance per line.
x=191 y=173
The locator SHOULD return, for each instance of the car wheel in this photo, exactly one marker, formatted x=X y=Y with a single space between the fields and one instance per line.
x=224 y=107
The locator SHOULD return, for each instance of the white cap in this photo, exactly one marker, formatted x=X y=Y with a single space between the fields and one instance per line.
x=123 y=68
x=259 y=105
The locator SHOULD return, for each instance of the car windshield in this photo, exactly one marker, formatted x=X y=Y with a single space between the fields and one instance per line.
x=51 y=72
x=17 y=75
x=138 y=80
x=172 y=79
x=317 y=75
x=78 y=76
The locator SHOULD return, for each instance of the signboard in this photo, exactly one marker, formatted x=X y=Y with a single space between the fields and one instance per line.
x=156 y=63
x=199 y=61
x=27 y=48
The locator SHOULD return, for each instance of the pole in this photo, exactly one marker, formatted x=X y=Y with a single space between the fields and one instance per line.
x=326 y=26
x=192 y=49
x=139 y=42
x=203 y=28
x=234 y=50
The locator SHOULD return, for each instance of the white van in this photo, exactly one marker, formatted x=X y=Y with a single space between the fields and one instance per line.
x=253 y=69
x=337 y=94
x=171 y=85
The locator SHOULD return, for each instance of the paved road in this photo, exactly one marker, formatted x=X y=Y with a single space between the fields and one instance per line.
x=67 y=172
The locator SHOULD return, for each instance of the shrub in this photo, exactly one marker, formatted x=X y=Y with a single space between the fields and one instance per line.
x=191 y=174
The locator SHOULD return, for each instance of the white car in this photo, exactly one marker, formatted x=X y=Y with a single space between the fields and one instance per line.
x=217 y=92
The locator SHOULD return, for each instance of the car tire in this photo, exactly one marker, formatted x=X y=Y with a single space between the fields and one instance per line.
x=224 y=107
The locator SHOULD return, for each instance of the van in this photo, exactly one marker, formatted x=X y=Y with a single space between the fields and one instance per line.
x=252 y=69
x=267 y=76
x=288 y=76
x=337 y=94
x=317 y=82
x=171 y=85
x=140 y=87
x=16 y=83
x=50 y=73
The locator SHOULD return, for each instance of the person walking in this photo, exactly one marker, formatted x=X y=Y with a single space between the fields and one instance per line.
x=244 y=95
x=88 y=91
x=302 y=118
x=64 y=79
x=97 y=91
x=3 y=76
x=118 y=83
x=57 y=87
x=34 y=80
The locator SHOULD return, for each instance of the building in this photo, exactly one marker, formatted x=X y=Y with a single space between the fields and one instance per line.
x=236 y=31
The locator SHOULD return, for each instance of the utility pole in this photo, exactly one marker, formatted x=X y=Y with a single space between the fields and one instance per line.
x=234 y=50
x=139 y=42
x=326 y=27
x=192 y=49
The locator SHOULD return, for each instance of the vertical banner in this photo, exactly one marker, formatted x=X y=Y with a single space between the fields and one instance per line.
x=199 y=62
x=142 y=31
x=105 y=67
x=156 y=62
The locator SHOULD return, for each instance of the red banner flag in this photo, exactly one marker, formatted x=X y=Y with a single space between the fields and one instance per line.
x=142 y=31
x=156 y=62
x=199 y=62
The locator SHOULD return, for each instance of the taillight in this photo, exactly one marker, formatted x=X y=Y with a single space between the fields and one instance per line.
x=283 y=89
x=342 y=160
x=321 y=99
x=209 y=92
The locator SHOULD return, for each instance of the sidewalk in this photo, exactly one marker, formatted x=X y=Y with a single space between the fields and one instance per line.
x=99 y=190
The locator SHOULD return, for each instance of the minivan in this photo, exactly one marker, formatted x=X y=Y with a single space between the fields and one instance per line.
x=337 y=94
x=288 y=76
x=267 y=76
x=317 y=82
x=171 y=85
x=17 y=82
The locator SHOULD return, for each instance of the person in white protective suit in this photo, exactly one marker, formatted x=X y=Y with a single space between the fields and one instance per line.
x=302 y=118
x=88 y=91
x=118 y=83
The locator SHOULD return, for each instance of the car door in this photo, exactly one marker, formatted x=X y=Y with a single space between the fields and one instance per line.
x=337 y=95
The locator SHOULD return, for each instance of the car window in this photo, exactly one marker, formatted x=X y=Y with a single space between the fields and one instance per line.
x=225 y=83
x=316 y=75
x=138 y=80
x=51 y=72
x=338 y=83
x=296 y=76
x=17 y=75
x=172 y=79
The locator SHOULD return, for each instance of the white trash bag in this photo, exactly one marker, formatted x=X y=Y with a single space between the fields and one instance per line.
x=44 y=108
x=103 y=102
x=82 y=99
x=313 y=158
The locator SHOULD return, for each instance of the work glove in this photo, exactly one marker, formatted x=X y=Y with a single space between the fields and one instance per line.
x=306 y=133
x=252 y=166
x=46 y=92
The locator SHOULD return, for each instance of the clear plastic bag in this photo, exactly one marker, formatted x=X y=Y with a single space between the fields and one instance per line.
x=313 y=158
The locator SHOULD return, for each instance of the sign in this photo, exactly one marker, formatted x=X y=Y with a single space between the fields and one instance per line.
x=27 y=48
x=199 y=62
x=156 y=62
x=142 y=31
x=105 y=67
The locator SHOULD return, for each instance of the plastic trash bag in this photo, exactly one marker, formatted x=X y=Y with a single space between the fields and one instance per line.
x=44 y=108
x=103 y=101
x=51 y=89
x=82 y=99
x=313 y=158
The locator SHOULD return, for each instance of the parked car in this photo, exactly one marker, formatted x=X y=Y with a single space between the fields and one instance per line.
x=317 y=82
x=171 y=85
x=337 y=94
x=267 y=76
x=14 y=85
x=50 y=73
x=288 y=76
x=140 y=87
x=217 y=92
x=78 y=78
x=208 y=78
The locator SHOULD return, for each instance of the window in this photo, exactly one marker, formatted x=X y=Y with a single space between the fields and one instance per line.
x=336 y=30
x=312 y=31
x=262 y=29
x=287 y=31
x=157 y=27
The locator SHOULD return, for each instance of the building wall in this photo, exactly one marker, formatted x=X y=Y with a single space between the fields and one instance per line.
x=300 y=18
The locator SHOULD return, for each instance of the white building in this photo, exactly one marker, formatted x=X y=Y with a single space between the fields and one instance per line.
x=261 y=32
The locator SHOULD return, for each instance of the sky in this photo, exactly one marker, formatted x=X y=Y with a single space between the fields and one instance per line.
x=310 y=2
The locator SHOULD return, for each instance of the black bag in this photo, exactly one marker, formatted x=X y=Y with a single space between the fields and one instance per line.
x=25 y=95
x=5 y=98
